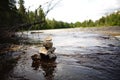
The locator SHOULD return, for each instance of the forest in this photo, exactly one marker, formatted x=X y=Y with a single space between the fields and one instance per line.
x=11 y=16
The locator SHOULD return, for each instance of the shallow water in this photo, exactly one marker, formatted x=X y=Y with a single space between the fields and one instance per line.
x=75 y=41
x=80 y=56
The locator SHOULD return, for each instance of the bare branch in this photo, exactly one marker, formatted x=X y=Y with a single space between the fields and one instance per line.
x=50 y=6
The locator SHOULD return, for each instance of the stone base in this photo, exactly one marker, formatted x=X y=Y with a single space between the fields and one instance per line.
x=48 y=57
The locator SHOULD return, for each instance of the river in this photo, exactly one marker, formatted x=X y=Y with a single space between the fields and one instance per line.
x=81 y=55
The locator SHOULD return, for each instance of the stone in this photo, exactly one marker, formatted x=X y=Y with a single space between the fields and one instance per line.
x=35 y=57
x=47 y=50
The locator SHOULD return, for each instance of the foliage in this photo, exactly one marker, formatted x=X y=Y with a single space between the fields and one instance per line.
x=22 y=12
x=10 y=15
x=53 y=24
x=112 y=19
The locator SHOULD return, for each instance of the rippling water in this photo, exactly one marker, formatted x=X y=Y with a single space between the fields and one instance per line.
x=70 y=44
x=75 y=41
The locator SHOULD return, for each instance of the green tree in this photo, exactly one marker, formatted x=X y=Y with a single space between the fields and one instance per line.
x=8 y=11
x=90 y=23
x=41 y=14
x=85 y=23
x=22 y=11
x=21 y=7
x=41 y=17
x=77 y=24
x=112 y=19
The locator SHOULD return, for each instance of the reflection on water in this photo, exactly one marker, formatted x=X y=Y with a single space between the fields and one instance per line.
x=36 y=64
x=71 y=62
x=47 y=66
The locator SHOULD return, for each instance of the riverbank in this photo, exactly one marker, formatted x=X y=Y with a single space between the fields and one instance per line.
x=111 y=30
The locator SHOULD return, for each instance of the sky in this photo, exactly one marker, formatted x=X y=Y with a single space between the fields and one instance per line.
x=76 y=10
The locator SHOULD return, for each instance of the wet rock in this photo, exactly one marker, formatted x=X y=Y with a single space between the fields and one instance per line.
x=111 y=45
x=52 y=56
x=105 y=37
x=47 y=51
x=36 y=64
x=48 y=57
x=102 y=53
x=24 y=52
x=35 y=57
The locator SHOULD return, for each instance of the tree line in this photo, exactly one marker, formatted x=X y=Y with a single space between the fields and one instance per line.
x=10 y=16
x=112 y=19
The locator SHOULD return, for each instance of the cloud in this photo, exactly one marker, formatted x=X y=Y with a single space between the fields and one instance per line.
x=118 y=2
x=115 y=6
x=78 y=10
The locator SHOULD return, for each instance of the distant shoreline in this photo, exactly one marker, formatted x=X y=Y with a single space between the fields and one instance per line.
x=111 y=30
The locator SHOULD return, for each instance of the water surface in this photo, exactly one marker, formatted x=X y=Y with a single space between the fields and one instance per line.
x=80 y=56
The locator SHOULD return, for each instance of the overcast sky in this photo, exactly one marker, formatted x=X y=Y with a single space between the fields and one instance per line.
x=77 y=10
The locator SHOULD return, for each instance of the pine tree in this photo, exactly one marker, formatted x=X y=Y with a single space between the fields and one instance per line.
x=41 y=14
x=8 y=11
x=21 y=7
x=22 y=11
